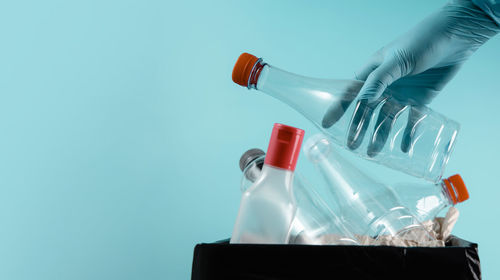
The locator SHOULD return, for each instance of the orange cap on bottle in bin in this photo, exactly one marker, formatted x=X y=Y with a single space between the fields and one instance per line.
x=456 y=188
x=243 y=68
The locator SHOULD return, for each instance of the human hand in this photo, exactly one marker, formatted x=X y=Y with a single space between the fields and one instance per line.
x=411 y=71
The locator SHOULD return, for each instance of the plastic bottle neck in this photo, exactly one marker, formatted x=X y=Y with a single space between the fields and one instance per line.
x=253 y=169
x=448 y=193
x=255 y=74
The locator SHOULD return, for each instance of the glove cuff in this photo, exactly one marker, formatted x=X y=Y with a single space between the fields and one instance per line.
x=469 y=22
x=491 y=8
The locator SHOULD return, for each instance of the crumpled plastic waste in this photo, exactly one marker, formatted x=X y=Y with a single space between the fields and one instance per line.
x=440 y=228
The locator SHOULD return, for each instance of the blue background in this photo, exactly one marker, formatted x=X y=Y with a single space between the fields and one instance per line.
x=121 y=130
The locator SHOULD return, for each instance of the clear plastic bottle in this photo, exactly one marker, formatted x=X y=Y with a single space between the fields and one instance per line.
x=314 y=222
x=426 y=201
x=268 y=207
x=367 y=207
x=331 y=104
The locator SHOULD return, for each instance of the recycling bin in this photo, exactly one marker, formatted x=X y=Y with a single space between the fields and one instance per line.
x=459 y=259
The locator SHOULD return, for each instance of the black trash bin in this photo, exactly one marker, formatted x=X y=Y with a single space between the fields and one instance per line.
x=221 y=260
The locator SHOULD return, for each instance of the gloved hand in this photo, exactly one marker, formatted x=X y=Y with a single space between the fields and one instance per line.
x=410 y=72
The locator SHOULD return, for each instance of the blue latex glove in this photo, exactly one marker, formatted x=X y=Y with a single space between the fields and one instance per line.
x=490 y=7
x=412 y=70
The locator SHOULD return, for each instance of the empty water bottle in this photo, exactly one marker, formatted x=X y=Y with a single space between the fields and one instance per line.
x=417 y=140
x=268 y=207
x=426 y=201
x=367 y=207
x=314 y=222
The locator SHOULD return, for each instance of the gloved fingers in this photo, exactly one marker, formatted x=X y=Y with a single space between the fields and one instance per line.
x=373 y=63
x=387 y=116
x=369 y=96
x=359 y=123
x=380 y=78
x=339 y=107
x=415 y=117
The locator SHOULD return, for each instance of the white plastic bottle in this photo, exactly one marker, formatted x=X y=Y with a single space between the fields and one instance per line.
x=368 y=208
x=426 y=201
x=268 y=207
x=331 y=104
x=314 y=222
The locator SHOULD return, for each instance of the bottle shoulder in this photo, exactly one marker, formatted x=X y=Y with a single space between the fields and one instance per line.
x=267 y=188
x=274 y=185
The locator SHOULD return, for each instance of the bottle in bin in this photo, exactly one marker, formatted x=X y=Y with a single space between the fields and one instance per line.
x=314 y=222
x=330 y=105
x=366 y=207
x=268 y=207
x=426 y=201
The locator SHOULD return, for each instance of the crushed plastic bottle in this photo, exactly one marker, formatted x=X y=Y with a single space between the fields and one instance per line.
x=421 y=150
x=368 y=208
x=314 y=222
x=426 y=201
x=268 y=207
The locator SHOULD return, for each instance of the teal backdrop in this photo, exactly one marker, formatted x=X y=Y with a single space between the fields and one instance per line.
x=121 y=130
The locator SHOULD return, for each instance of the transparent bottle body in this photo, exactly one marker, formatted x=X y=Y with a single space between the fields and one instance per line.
x=267 y=209
x=431 y=144
x=314 y=222
x=366 y=207
x=425 y=201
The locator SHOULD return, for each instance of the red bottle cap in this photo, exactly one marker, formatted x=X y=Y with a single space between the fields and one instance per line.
x=456 y=187
x=243 y=68
x=284 y=146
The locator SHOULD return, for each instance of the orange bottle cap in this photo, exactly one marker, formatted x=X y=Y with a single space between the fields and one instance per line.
x=243 y=68
x=457 y=189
